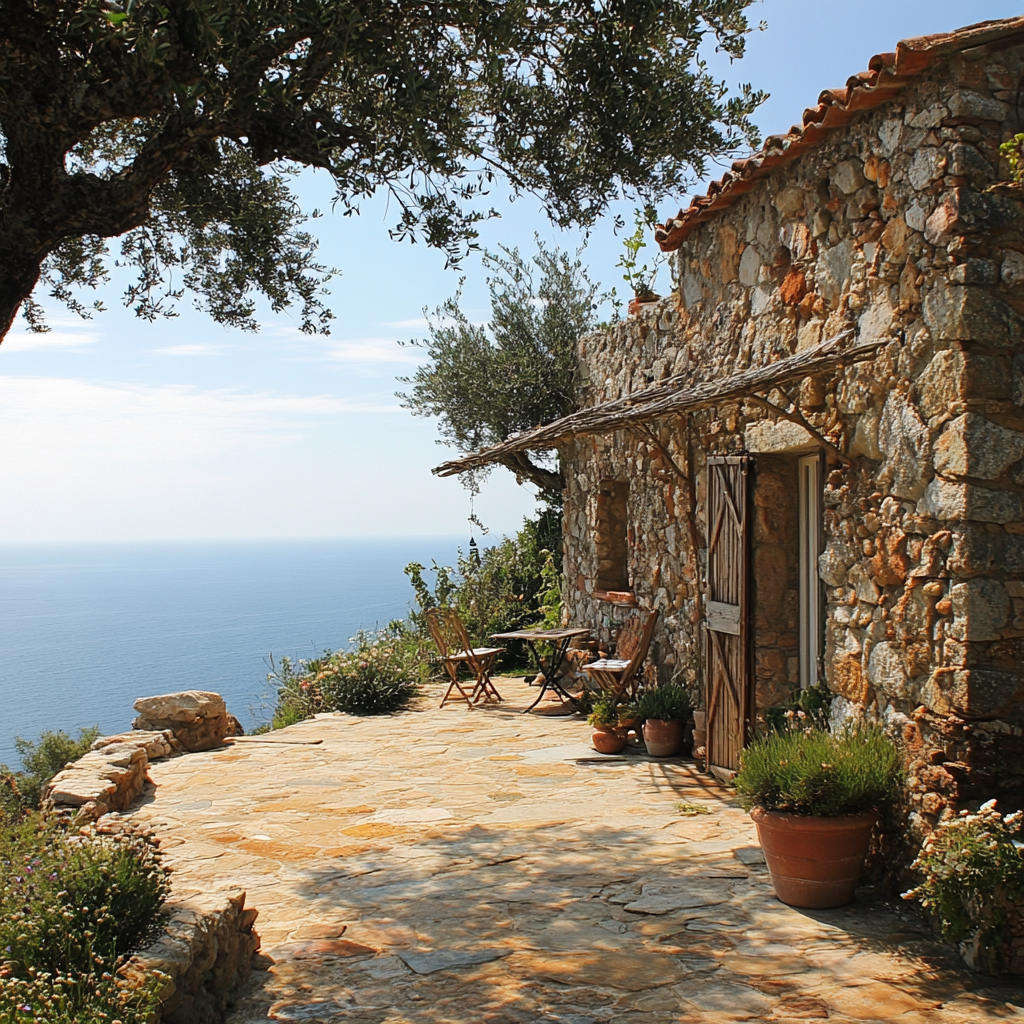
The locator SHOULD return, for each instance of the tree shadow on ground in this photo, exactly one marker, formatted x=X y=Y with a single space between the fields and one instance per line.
x=528 y=921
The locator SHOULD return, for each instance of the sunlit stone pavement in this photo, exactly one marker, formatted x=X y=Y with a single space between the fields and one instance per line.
x=482 y=865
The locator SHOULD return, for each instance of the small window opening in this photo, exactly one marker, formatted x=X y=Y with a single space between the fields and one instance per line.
x=612 y=544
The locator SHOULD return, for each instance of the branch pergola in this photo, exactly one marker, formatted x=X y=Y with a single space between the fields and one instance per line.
x=678 y=396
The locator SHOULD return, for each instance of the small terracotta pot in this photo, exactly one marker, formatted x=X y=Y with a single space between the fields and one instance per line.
x=606 y=740
x=700 y=734
x=635 y=305
x=663 y=739
x=814 y=863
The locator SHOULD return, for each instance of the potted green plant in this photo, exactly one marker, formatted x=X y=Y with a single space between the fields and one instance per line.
x=665 y=710
x=606 y=738
x=630 y=719
x=815 y=797
x=638 y=275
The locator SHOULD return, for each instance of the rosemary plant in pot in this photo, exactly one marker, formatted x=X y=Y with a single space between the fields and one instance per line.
x=665 y=711
x=815 y=797
x=604 y=717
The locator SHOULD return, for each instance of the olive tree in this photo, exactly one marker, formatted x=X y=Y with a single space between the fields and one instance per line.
x=174 y=126
x=486 y=381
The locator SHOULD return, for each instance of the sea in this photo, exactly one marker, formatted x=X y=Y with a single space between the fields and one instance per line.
x=87 y=629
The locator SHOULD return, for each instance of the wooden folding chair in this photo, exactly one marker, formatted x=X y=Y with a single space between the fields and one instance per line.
x=619 y=676
x=453 y=645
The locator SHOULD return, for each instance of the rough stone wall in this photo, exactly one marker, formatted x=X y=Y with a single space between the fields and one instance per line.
x=205 y=955
x=889 y=227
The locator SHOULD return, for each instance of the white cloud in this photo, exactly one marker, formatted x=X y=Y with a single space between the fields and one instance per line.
x=420 y=323
x=64 y=420
x=20 y=339
x=189 y=350
x=371 y=350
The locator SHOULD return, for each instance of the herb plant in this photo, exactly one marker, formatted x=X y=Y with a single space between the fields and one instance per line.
x=73 y=906
x=971 y=865
x=815 y=772
x=605 y=713
x=666 y=703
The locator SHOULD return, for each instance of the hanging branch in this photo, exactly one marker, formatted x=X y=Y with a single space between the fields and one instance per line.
x=673 y=396
x=797 y=417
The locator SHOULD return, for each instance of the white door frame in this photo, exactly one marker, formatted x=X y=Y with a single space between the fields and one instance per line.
x=809 y=490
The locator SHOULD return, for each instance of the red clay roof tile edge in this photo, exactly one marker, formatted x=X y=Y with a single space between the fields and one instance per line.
x=887 y=73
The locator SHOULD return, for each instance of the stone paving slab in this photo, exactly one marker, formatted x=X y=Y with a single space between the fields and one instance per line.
x=481 y=865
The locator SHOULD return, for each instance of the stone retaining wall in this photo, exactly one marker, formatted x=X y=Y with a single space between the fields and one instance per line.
x=206 y=955
x=208 y=941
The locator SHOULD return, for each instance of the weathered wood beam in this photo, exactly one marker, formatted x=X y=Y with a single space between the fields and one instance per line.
x=676 y=395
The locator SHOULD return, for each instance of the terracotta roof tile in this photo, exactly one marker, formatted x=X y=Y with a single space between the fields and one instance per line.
x=887 y=73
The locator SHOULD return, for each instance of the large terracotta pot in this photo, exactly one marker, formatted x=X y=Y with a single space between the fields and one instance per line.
x=663 y=739
x=814 y=862
x=607 y=741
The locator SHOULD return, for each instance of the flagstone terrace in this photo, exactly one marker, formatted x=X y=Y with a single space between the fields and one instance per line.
x=483 y=865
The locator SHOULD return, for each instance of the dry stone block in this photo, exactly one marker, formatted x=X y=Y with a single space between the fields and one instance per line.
x=945 y=499
x=903 y=441
x=972 y=445
x=970 y=313
x=156 y=744
x=981 y=608
x=103 y=780
x=198 y=719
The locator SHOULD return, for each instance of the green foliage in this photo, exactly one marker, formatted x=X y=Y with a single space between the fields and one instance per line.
x=379 y=674
x=486 y=382
x=73 y=906
x=638 y=275
x=1012 y=150
x=40 y=762
x=511 y=585
x=665 y=703
x=159 y=122
x=605 y=712
x=814 y=702
x=970 y=865
x=688 y=809
x=808 y=770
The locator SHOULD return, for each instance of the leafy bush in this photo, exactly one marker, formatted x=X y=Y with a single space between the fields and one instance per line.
x=813 y=701
x=605 y=712
x=41 y=761
x=665 y=703
x=378 y=675
x=815 y=772
x=511 y=585
x=73 y=905
x=970 y=865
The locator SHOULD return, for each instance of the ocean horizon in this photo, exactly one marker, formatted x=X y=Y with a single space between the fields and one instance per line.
x=86 y=629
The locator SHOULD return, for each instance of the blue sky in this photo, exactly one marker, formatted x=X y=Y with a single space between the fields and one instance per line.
x=116 y=429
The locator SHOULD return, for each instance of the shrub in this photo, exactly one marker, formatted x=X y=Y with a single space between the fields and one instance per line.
x=40 y=762
x=665 y=703
x=812 y=771
x=511 y=585
x=73 y=905
x=971 y=865
x=378 y=675
x=605 y=712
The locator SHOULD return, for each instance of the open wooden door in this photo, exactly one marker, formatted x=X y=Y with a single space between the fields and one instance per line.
x=729 y=679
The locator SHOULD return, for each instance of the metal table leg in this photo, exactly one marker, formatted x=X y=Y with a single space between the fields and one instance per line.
x=551 y=677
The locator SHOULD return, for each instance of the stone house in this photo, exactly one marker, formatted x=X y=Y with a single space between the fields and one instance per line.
x=810 y=457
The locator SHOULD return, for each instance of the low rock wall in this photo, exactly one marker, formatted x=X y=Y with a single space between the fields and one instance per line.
x=207 y=943
x=205 y=954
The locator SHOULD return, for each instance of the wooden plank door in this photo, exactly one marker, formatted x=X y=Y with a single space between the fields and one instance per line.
x=729 y=679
